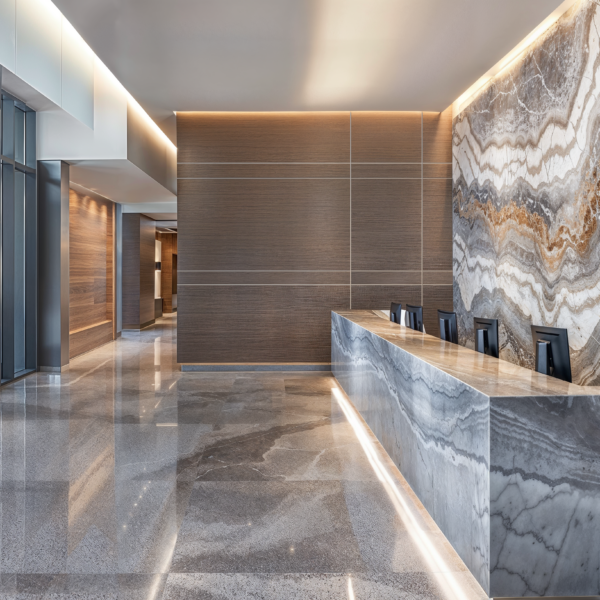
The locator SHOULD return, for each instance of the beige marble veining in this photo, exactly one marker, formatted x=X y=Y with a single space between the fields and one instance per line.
x=526 y=197
x=490 y=376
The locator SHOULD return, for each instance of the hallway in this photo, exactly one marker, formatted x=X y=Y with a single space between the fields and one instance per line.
x=125 y=478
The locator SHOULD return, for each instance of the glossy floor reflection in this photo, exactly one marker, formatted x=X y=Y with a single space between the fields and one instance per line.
x=125 y=478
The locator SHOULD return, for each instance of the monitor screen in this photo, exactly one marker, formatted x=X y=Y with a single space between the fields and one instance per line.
x=414 y=317
x=486 y=336
x=551 y=348
x=448 y=326
x=395 y=312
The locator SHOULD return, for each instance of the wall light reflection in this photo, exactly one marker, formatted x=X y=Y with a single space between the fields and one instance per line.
x=438 y=566
x=465 y=99
x=353 y=45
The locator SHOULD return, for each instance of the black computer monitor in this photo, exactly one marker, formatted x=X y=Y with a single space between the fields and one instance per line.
x=486 y=336
x=552 y=357
x=395 y=312
x=414 y=317
x=448 y=327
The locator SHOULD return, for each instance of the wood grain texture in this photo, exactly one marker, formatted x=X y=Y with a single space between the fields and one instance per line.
x=263 y=137
x=379 y=297
x=386 y=137
x=139 y=236
x=438 y=277
x=131 y=271
x=258 y=239
x=285 y=171
x=262 y=224
x=264 y=278
x=437 y=171
x=437 y=226
x=400 y=171
x=147 y=268
x=257 y=323
x=437 y=136
x=91 y=286
x=386 y=225
x=111 y=271
x=88 y=338
x=168 y=244
x=435 y=298
x=386 y=277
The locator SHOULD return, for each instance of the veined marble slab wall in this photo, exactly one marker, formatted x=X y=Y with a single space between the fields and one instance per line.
x=512 y=481
x=526 y=197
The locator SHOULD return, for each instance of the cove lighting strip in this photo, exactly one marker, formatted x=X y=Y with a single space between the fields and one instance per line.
x=447 y=578
x=465 y=99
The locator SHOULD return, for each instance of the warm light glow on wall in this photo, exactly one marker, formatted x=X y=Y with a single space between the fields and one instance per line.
x=352 y=49
x=135 y=105
x=465 y=99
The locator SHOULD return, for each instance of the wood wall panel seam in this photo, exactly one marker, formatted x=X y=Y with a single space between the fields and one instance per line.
x=228 y=254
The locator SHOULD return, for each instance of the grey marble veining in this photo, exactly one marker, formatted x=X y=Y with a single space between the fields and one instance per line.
x=512 y=481
x=124 y=478
x=526 y=189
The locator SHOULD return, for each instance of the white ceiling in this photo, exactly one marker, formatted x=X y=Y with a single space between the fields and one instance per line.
x=263 y=55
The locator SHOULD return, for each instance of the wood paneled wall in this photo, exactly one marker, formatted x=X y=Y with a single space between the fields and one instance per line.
x=139 y=235
x=168 y=249
x=91 y=272
x=283 y=217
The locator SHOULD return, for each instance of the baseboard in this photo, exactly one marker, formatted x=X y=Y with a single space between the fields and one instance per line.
x=138 y=327
x=253 y=367
x=53 y=369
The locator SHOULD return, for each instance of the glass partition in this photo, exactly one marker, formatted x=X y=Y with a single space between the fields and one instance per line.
x=18 y=239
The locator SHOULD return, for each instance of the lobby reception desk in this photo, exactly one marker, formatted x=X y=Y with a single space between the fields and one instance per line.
x=505 y=460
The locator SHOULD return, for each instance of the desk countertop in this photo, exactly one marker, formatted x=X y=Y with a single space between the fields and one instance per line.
x=490 y=376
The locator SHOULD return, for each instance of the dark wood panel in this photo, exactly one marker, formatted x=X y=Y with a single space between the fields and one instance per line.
x=257 y=323
x=229 y=171
x=403 y=171
x=386 y=225
x=88 y=338
x=437 y=226
x=437 y=137
x=379 y=297
x=386 y=137
x=147 y=268
x=263 y=224
x=131 y=271
x=111 y=300
x=166 y=276
x=264 y=278
x=435 y=298
x=263 y=137
x=90 y=261
x=437 y=171
x=386 y=277
x=438 y=278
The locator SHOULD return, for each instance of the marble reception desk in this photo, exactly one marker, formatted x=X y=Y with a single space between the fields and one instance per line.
x=506 y=461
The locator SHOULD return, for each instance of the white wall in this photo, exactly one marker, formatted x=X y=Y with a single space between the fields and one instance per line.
x=77 y=75
x=7 y=34
x=61 y=136
x=40 y=47
x=84 y=114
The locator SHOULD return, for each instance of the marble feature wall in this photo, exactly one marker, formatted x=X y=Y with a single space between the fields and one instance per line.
x=545 y=496
x=513 y=482
x=434 y=428
x=526 y=196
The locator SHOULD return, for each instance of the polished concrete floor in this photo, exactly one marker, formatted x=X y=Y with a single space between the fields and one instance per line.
x=125 y=478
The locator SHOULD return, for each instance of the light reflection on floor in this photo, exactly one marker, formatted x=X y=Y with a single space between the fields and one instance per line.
x=125 y=478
